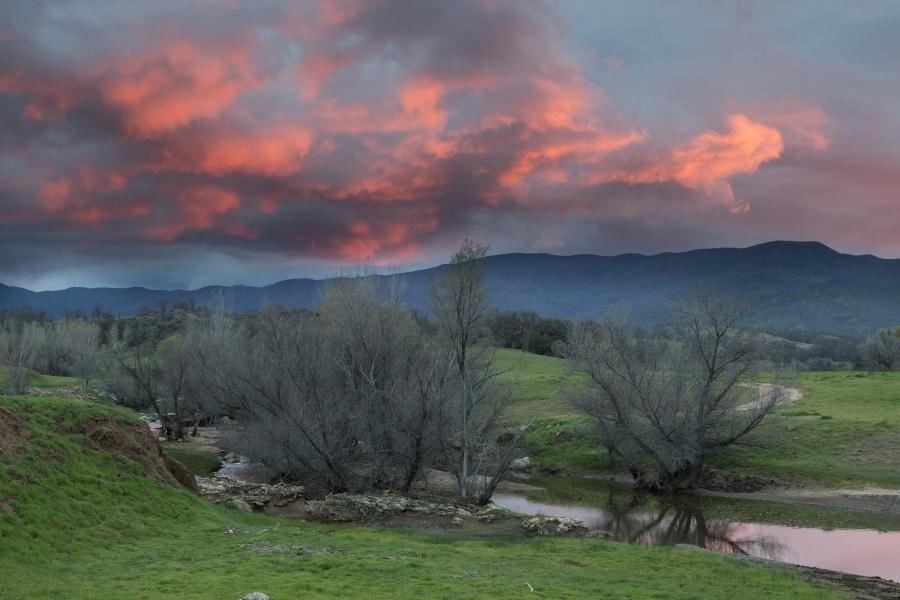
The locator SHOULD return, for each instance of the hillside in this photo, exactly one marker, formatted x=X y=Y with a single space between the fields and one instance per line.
x=794 y=285
x=84 y=515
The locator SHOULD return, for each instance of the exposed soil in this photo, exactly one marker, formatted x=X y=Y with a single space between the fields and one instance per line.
x=856 y=586
x=205 y=442
x=134 y=441
x=720 y=481
x=788 y=395
x=14 y=433
x=879 y=500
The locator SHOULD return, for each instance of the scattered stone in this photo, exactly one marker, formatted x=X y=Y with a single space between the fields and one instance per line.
x=546 y=526
x=256 y=596
x=257 y=496
x=456 y=521
x=489 y=514
x=721 y=481
x=346 y=508
x=231 y=457
x=520 y=464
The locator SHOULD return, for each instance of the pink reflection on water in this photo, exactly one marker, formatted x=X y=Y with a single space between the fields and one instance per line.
x=858 y=551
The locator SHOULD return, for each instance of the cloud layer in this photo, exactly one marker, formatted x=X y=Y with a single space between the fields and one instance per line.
x=275 y=138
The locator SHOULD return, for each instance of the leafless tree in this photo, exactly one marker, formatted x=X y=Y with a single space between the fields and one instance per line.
x=346 y=398
x=19 y=342
x=664 y=406
x=174 y=360
x=81 y=341
x=881 y=350
x=460 y=306
x=132 y=376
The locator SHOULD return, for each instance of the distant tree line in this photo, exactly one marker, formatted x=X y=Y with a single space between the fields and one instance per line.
x=359 y=394
x=527 y=331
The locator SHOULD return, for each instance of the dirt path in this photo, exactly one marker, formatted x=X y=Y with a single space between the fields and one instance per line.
x=788 y=395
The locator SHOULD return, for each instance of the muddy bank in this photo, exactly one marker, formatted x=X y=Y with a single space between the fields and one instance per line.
x=859 y=587
x=719 y=484
x=878 y=500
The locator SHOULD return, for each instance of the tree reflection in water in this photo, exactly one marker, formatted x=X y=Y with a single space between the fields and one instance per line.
x=680 y=521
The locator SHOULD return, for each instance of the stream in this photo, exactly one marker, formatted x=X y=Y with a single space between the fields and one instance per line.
x=862 y=543
x=861 y=548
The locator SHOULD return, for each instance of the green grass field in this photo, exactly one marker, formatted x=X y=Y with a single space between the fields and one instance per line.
x=82 y=523
x=43 y=381
x=845 y=430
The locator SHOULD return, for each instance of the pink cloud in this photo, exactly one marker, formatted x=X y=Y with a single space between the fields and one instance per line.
x=175 y=86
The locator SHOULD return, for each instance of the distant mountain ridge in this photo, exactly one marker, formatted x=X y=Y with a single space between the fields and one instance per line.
x=793 y=284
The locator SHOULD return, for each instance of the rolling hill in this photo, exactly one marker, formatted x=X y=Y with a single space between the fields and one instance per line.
x=793 y=284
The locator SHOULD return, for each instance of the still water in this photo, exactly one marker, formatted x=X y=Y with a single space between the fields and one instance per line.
x=630 y=519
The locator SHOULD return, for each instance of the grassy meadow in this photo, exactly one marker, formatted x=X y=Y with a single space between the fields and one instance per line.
x=845 y=431
x=81 y=523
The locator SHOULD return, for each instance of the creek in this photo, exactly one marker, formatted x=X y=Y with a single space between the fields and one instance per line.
x=834 y=539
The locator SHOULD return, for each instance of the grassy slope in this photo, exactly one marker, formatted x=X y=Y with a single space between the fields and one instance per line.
x=845 y=431
x=43 y=381
x=88 y=524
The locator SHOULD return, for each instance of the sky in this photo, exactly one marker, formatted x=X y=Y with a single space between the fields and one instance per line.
x=181 y=144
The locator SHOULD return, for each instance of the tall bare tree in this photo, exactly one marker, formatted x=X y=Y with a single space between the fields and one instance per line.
x=460 y=306
x=664 y=406
x=132 y=376
x=81 y=339
x=19 y=343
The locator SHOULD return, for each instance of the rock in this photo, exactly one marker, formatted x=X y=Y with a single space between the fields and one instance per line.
x=546 y=526
x=456 y=521
x=345 y=508
x=520 y=463
x=256 y=596
x=231 y=457
x=258 y=496
x=489 y=514
x=240 y=505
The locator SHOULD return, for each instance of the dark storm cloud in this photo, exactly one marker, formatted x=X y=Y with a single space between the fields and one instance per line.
x=177 y=144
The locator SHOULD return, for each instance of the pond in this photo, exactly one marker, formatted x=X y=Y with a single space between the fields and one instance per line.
x=863 y=543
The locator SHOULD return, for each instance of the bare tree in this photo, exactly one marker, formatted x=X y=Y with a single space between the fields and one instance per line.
x=19 y=342
x=881 y=350
x=81 y=340
x=460 y=305
x=173 y=364
x=664 y=406
x=132 y=377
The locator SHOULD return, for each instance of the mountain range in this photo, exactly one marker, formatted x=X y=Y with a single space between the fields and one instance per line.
x=795 y=285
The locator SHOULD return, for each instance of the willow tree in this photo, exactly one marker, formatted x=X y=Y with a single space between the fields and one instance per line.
x=663 y=407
